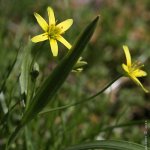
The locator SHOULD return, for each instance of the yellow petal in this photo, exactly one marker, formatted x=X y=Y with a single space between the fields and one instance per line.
x=63 y=41
x=40 y=38
x=51 y=16
x=65 y=25
x=127 y=54
x=41 y=21
x=139 y=83
x=54 y=47
x=125 y=67
x=139 y=73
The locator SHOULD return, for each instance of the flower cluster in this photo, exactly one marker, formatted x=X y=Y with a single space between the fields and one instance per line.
x=53 y=33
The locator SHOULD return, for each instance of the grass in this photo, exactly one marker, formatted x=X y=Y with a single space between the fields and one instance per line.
x=116 y=115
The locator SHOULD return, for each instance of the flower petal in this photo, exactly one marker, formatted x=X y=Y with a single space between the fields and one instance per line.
x=125 y=68
x=139 y=73
x=65 y=25
x=54 y=47
x=127 y=54
x=40 y=38
x=139 y=83
x=63 y=41
x=51 y=16
x=41 y=21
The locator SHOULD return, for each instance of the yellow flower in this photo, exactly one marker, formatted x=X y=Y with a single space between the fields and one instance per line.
x=52 y=32
x=133 y=70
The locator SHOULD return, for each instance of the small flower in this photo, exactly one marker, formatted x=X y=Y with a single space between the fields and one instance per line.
x=133 y=70
x=52 y=32
x=78 y=67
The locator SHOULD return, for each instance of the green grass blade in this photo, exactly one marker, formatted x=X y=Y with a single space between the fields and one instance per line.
x=28 y=140
x=34 y=72
x=108 y=145
x=28 y=75
x=54 y=81
x=10 y=68
x=122 y=125
x=25 y=68
x=25 y=72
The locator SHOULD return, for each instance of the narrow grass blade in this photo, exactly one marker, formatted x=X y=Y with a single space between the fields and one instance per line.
x=122 y=125
x=28 y=140
x=25 y=71
x=2 y=87
x=108 y=145
x=28 y=75
x=10 y=68
x=55 y=80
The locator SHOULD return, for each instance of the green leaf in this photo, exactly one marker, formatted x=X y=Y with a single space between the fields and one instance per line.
x=108 y=145
x=55 y=80
x=25 y=69
x=29 y=73
x=28 y=140
x=34 y=72
x=9 y=70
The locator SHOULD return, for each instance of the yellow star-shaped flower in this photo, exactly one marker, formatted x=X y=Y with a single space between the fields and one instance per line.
x=133 y=70
x=52 y=32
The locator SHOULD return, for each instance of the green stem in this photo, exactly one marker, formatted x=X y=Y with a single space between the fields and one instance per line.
x=4 y=118
x=132 y=123
x=82 y=101
x=10 y=68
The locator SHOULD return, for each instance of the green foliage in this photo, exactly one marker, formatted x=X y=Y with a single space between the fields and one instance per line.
x=106 y=144
x=54 y=80
x=67 y=118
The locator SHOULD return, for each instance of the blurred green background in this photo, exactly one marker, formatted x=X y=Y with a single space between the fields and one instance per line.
x=121 y=22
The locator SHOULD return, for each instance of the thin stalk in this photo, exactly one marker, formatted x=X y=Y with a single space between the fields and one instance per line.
x=10 y=68
x=82 y=101
x=11 y=138
x=6 y=115
x=132 y=123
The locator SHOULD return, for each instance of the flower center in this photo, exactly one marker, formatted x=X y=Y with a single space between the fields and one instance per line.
x=135 y=66
x=53 y=31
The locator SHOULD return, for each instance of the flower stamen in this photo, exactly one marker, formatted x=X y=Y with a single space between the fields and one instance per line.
x=135 y=66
